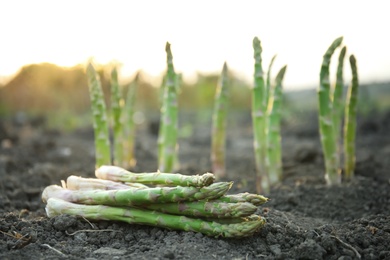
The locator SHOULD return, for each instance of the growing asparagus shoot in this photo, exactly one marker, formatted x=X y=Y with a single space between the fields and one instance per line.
x=259 y=120
x=117 y=127
x=100 y=122
x=328 y=140
x=350 y=121
x=218 y=132
x=167 y=139
x=274 y=149
x=337 y=99
x=129 y=126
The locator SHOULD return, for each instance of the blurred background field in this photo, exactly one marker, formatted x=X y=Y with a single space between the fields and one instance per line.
x=60 y=97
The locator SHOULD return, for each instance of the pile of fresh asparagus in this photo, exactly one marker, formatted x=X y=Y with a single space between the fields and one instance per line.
x=174 y=201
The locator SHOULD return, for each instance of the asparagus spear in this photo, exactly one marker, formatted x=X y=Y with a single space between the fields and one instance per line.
x=129 y=126
x=79 y=183
x=117 y=125
x=210 y=209
x=337 y=99
x=350 y=121
x=254 y=199
x=100 y=124
x=57 y=207
x=274 y=154
x=328 y=140
x=134 y=196
x=167 y=139
x=114 y=173
x=259 y=122
x=218 y=134
x=268 y=90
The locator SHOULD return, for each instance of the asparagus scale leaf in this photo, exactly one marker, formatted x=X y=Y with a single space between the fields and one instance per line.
x=57 y=207
x=137 y=196
x=114 y=173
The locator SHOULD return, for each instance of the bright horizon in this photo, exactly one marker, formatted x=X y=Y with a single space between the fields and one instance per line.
x=203 y=35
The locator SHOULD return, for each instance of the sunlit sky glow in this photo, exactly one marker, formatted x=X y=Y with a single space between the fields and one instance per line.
x=203 y=35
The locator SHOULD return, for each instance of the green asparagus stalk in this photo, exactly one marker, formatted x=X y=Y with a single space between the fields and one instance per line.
x=114 y=173
x=350 y=121
x=259 y=120
x=129 y=126
x=100 y=124
x=268 y=90
x=137 y=196
x=116 y=100
x=206 y=209
x=337 y=99
x=218 y=134
x=254 y=199
x=328 y=140
x=79 y=183
x=57 y=207
x=274 y=154
x=167 y=140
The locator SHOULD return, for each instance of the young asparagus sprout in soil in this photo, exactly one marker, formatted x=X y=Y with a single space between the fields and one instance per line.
x=330 y=116
x=274 y=146
x=117 y=126
x=167 y=139
x=259 y=120
x=218 y=132
x=129 y=125
x=100 y=122
x=328 y=139
x=266 y=122
x=350 y=122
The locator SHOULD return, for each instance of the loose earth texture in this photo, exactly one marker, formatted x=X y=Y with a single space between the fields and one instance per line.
x=305 y=218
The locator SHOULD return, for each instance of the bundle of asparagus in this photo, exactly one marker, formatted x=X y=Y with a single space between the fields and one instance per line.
x=180 y=202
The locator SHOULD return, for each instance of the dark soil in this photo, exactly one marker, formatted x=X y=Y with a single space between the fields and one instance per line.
x=305 y=218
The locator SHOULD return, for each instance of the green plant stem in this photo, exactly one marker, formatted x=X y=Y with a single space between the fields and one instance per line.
x=114 y=173
x=218 y=134
x=259 y=121
x=79 y=183
x=137 y=196
x=338 y=104
x=167 y=140
x=117 y=125
x=100 y=122
x=328 y=139
x=57 y=207
x=254 y=199
x=274 y=145
x=129 y=126
x=350 y=121
x=268 y=89
x=205 y=209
